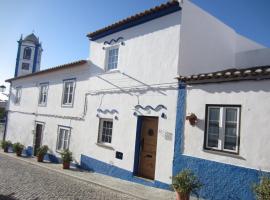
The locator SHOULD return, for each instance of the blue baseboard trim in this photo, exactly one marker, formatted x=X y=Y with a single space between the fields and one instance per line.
x=92 y=164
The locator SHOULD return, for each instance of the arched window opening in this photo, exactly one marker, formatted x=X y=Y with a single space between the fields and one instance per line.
x=27 y=53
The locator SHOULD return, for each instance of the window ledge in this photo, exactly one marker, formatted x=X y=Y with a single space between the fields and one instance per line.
x=104 y=145
x=112 y=71
x=224 y=153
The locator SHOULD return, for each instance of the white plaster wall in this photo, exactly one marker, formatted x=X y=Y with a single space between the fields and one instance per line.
x=252 y=58
x=208 y=45
x=147 y=62
x=253 y=96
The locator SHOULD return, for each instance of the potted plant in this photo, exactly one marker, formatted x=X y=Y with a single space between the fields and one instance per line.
x=66 y=158
x=184 y=183
x=262 y=189
x=18 y=148
x=41 y=152
x=5 y=145
x=192 y=118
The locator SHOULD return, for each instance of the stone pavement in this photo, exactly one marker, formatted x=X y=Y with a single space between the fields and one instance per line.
x=28 y=179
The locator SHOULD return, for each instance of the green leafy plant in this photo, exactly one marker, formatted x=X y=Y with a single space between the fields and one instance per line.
x=18 y=148
x=262 y=189
x=41 y=151
x=5 y=145
x=66 y=156
x=186 y=182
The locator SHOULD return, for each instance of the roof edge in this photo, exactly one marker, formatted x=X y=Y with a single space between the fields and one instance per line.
x=49 y=70
x=145 y=16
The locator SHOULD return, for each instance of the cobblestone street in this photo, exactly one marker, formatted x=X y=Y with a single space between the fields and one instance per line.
x=23 y=181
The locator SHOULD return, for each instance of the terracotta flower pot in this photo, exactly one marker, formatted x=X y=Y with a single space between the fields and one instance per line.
x=40 y=158
x=18 y=153
x=6 y=149
x=181 y=196
x=66 y=165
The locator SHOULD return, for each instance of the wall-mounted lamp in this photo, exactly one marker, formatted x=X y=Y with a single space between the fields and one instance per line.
x=116 y=117
x=164 y=116
x=192 y=118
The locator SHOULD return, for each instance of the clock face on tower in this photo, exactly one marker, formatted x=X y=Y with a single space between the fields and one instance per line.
x=28 y=55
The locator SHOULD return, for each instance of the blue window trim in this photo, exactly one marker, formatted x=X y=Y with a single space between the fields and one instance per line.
x=139 y=21
x=18 y=58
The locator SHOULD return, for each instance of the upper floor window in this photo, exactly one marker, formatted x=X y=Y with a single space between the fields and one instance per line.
x=18 y=93
x=68 y=92
x=222 y=131
x=43 y=94
x=105 y=131
x=25 y=66
x=27 y=53
x=63 y=138
x=112 y=58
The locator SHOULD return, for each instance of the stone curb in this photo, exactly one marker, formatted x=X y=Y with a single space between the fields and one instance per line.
x=71 y=175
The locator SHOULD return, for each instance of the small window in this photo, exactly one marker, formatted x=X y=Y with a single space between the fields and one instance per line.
x=105 y=131
x=222 y=131
x=63 y=138
x=18 y=93
x=27 y=53
x=112 y=57
x=43 y=94
x=25 y=66
x=68 y=92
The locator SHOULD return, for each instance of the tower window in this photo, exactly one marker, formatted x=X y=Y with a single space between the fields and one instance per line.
x=25 y=66
x=27 y=53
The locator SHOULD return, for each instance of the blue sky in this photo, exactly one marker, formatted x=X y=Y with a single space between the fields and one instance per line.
x=62 y=25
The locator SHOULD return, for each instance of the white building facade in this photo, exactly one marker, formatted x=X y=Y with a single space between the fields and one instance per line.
x=122 y=111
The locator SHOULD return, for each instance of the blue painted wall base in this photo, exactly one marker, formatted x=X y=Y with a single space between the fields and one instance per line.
x=221 y=181
x=92 y=164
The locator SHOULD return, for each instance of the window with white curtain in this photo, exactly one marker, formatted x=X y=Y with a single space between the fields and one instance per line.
x=63 y=138
x=43 y=94
x=112 y=58
x=222 y=127
x=18 y=94
x=68 y=92
x=105 y=130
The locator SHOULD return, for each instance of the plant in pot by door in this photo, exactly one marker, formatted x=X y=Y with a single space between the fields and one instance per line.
x=41 y=152
x=18 y=148
x=67 y=158
x=184 y=184
x=5 y=145
x=262 y=189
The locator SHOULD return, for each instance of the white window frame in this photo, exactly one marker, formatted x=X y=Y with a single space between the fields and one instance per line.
x=107 y=58
x=100 y=131
x=65 y=128
x=222 y=120
x=41 y=101
x=73 y=81
x=18 y=95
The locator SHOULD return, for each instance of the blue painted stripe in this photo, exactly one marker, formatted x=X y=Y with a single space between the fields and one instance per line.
x=35 y=58
x=137 y=145
x=18 y=58
x=92 y=164
x=221 y=181
x=139 y=21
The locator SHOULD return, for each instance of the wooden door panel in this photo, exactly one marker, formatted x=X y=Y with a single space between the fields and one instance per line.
x=148 y=147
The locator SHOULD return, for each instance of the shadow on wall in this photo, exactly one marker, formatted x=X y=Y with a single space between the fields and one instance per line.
x=8 y=197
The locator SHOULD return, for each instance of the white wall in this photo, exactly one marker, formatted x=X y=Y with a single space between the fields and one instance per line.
x=149 y=57
x=253 y=96
x=208 y=45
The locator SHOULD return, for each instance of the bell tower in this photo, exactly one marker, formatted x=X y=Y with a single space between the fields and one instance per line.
x=28 y=55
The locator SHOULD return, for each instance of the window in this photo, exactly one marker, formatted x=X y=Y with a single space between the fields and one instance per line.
x=112 y=57
x=43 y=94
x=25 y=66
x=222 y=131
x=63 y=138
x=68 y=92
x=18 y=94
x=27 y=53
x=105 y=131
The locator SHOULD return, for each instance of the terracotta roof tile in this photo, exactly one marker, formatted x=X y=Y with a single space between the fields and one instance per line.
x=53 y=69
x=251 y=73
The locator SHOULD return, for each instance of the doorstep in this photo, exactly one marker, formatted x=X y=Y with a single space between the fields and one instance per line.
x=118 y=185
